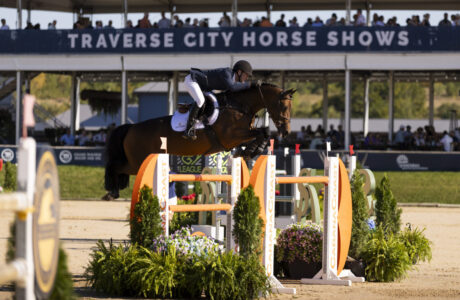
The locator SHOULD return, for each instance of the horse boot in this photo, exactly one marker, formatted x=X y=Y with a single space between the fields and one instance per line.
x=189 y=132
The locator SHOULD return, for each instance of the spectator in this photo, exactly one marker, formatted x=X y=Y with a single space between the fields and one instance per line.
x=445 y=21
x=52 y=26
x=164 y=22
x=399 y=137
x=293 y=22
x=144 y=22
x=360 y=19
x=246 y=22
x=83 y=138
x=109 y=25
x=308 y=23
x=419 y=138
x=4 y=26
x=99 y=138
x=37 y=26
x=301 y=135
x=454 y=20
x=99 y=25
x=380 y=22
x=317 y=141
x=447 y=141
x=31 y=26
x=318 y=22
x=204 y=23
x=280 y=22
x=187 y=23
x=178 y=23
x=426 y=20
x=332 y=20
x=265 y=22
x=224 y=20
x=375 y=18
x=195 y=23
x=129 y=24
x=408 y=138
x=67 y=139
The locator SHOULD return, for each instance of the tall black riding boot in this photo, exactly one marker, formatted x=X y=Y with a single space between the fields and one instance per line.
x=189 y=132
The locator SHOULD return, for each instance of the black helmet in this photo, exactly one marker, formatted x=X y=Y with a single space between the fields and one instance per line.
x=244 y=66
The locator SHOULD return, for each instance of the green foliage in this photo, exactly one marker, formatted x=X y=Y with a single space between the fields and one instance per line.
x=444 y=111
x=386 y=257
x=360 y=229
x=146 y=223
x=388 y=215
x=139 y=271
x=417 y=245
x=248 y=225
x=9 y=182
x=63 y=285
x=152 y=274
x=410 y=100
x=109 y=268
x=183 y=219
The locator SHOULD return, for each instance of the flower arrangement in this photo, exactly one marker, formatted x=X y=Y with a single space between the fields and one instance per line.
x=190 y=197
x=186 y=244
x=321 y=194
x=300 y=242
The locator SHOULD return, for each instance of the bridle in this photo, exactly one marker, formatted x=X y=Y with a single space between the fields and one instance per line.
x=281 y=118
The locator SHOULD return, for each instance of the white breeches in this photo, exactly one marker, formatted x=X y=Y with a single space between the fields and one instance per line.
x=194 y=90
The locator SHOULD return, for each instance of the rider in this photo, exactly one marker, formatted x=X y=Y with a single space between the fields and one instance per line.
x=224 y=79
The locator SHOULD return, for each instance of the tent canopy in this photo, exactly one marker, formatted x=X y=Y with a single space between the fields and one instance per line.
x=186 y=6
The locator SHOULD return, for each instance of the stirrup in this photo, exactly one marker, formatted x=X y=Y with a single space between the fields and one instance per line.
x=190 y=133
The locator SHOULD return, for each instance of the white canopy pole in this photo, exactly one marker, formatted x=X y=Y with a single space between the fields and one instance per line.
x=19 y=9
x=325 y=102
x=431 y=101
x=348 y=12
x=234 y=13
x=347 y=128
x=366 y=107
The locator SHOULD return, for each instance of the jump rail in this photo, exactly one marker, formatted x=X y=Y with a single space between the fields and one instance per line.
x=36 y=206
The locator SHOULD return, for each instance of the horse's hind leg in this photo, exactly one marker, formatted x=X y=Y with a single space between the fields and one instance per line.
x=114 y=180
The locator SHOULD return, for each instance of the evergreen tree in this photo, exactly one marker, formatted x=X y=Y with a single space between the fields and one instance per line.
x=248 y=225
x=386 y=210
x=360 y=229
x=146 y=222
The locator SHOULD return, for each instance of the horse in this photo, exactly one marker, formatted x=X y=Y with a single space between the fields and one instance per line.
x=129 y=144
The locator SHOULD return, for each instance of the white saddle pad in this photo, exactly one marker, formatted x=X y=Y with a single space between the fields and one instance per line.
x=179 y=121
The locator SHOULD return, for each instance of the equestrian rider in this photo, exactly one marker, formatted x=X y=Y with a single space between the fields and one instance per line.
x=224 y=79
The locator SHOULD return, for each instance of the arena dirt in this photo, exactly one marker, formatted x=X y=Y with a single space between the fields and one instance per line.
x=84 y=222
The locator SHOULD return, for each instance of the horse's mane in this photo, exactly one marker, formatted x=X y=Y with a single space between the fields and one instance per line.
x=269 y=84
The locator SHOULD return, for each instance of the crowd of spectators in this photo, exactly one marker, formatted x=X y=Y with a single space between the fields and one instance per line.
x=358 y=19
x=404 y=139
x=85 y=138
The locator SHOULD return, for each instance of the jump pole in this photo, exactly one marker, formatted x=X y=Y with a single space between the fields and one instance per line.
x=337 y=211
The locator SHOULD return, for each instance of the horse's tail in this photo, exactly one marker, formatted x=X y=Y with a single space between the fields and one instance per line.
x=115 y=158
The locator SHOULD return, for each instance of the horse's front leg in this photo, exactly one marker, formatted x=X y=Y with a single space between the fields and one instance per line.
x=256 y=146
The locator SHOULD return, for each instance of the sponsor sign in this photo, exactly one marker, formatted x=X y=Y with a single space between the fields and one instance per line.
x=199 y=40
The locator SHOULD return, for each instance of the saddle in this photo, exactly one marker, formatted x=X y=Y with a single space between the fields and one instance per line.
x=208 y=114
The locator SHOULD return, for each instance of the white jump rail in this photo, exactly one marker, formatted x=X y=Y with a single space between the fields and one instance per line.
x=21 y=270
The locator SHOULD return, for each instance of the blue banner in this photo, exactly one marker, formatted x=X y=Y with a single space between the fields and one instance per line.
x=222 y=40
x=374 y=160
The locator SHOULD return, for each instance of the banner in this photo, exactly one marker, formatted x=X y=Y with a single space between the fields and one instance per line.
x=374 y=160
x=222 y=40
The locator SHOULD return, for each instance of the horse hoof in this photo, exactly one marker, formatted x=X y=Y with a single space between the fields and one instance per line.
x=108 y=197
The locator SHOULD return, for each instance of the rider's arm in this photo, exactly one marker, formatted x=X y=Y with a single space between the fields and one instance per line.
x=235 y=86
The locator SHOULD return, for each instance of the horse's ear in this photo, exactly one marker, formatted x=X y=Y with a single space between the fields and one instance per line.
x=289 y=93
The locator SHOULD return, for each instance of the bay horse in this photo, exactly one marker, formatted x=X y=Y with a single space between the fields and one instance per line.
x=129 y=144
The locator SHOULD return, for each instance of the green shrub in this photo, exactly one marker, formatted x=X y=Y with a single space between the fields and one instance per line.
x=388 y=215
x=386 y=257
x=360 y=228
x=63 y=285
x=417 y=245
x=146 y=223
x=9 y=183
x=183 y=219
x=300 y=242
x=109 y=268
x=138 y=271
x=248 y=225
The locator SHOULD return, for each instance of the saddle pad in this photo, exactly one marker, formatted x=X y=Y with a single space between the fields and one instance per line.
x=179 y=120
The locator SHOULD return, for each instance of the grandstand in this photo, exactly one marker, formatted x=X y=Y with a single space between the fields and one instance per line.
x=326 y=54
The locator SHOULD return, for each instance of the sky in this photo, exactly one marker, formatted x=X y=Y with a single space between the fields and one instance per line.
x=66 y=20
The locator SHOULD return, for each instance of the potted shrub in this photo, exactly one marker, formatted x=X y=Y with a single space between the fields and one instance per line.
x=299 y=247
